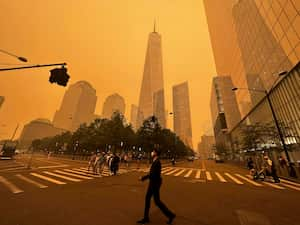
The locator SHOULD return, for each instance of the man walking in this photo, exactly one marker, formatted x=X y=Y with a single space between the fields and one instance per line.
x=155 y=181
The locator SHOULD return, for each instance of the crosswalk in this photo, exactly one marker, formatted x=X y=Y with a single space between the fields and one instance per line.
x=224 y=177
x=43 y=179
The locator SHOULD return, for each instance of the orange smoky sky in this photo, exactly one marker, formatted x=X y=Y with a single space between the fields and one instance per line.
x=104 y=43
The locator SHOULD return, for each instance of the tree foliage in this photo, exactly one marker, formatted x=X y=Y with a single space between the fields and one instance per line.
x=117 y=135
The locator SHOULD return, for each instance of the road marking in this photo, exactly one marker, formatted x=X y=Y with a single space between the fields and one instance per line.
x=289 y=182
x=61 y=176
x=47 y=178
x=179 y=173
x=233 y=178
x=13 y=188
x=220 y=177
x=31 y=181
x=172 y=171
x=82 y=173
x=167 y=169
x=47 y=161
x=12 y=169
x=105 y=171
x=208 y=176
x=291 y=186
x=188 y=173
x=269 y=184
x=47 y=167
x=198 y=174
x=74 y=175
x=203 y=165
x=248 y=180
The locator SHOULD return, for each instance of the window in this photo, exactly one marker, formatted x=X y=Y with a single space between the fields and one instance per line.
x=286 y=45
x=296 y=5
x=290 y=10
x=278 y=30
x=292 y=37
x=284 y=21
x=296 y=25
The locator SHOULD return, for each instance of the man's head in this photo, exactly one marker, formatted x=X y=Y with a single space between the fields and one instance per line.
x=155 y=153
x=266 y=157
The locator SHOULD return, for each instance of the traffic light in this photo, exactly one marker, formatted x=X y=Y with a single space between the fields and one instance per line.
x=59 y=76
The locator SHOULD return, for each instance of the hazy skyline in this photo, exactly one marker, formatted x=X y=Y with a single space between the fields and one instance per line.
x=104 y=43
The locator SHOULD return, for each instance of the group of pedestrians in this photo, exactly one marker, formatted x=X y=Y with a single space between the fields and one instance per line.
x=268 y=168
x=99 y=160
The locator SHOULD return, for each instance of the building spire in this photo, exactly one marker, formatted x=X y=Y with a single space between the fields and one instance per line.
x=154 y=28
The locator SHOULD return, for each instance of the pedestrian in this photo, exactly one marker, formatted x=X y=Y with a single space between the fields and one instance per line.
x=115 y=164
x=155 y=182
x=92 y=161
x=270 y=169
x=250 y=165
x=139 y=159
x=126 y=160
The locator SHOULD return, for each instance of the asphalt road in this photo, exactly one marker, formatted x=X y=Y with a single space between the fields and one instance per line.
x=202 y=193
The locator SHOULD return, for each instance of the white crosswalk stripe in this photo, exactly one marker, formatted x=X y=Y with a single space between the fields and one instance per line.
x=269 y=184
x=188 y=173
x=222 y=179
x=74 y=175
x=179 y=173
x=28 y=180
x=208 y=175
x=198 y=174
x=81 y=173
x=47 y=178
x=291 y=186
x=61 y=176
x=233 y=178
x=290 y=182
x=249 y=180
x=13 y=188
x=172 y=171
x=165 y=170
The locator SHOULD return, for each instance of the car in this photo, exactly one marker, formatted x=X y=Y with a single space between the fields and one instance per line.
x=219 y=159
x=190 y=158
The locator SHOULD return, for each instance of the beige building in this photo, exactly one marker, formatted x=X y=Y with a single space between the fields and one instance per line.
x=113 y=103
x=152 y=100
x=37 y=129
x=206 y=147
x=182 y=113
x=78 y=106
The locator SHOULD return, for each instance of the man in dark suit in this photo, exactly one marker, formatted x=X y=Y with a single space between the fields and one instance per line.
x=155 y=181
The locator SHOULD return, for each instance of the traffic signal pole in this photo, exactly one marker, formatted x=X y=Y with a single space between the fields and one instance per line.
x=34 y=66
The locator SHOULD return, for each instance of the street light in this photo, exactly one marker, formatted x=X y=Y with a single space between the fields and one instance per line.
x=20 y=58
x=267 y=94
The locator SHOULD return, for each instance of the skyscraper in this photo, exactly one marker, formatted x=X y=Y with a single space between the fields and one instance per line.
x=78 y=106
x=261 y=53
x=152 y=101
x=1 y=100
x=113 y=103
x=225 y=113
x=262 y=38
x=134 y=116
x=182 y=113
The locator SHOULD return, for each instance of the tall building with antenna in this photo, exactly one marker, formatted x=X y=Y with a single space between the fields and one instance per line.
x=152 y=100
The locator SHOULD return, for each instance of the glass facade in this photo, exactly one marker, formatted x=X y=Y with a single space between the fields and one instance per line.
x=285 y=99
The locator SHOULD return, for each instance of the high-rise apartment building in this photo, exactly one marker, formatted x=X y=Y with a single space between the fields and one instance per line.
x=113 y=103
x=152 y=101
x=78 y=106
x=182 y=113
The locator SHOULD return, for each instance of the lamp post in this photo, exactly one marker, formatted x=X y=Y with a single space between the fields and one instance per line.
x=175 y=139
x=292 y=171
x=20 y=58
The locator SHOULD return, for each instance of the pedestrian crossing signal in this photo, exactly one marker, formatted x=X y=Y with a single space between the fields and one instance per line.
x=59 y=76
